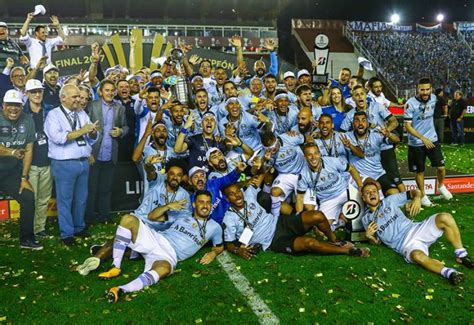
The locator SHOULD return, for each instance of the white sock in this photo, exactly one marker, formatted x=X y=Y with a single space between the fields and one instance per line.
x=123 y=236
x=460 y=252
x=276 y=205
x=447 y=271
x=145 y=279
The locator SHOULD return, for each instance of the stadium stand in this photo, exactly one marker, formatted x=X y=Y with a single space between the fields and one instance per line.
x=403 y=58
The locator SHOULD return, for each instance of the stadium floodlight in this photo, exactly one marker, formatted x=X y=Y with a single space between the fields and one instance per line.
x=395 y=18
x=440 y=18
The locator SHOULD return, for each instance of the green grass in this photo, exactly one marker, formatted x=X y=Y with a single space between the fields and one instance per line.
x=456 y=158
x=43 y=287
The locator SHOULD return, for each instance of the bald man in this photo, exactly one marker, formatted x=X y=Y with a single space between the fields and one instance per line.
x=70 y=138
x=305 y=124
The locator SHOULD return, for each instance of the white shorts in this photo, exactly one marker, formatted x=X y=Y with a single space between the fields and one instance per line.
x=421 y=237
x=154 y=247
x=332 y=208
x=287 y=182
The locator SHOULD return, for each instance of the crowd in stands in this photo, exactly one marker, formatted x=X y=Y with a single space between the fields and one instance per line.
x=405 y=57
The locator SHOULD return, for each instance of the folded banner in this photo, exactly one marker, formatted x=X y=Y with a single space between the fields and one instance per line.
x=426 y=29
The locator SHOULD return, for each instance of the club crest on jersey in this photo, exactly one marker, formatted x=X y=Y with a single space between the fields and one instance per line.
x=387 y=210
x=252 y=206
x=22 y=128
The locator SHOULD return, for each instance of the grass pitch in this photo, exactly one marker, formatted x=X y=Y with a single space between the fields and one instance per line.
x=43 y=287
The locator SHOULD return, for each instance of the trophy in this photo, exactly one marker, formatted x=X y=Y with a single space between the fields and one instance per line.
x=353 y=210
x=179 y=85
x=321 y=55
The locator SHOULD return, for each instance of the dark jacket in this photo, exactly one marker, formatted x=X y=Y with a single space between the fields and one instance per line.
x=120 y=121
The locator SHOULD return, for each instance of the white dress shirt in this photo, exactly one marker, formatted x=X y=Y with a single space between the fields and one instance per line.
x=35 y=49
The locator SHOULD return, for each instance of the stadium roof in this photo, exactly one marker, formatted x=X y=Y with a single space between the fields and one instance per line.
x=242 y=11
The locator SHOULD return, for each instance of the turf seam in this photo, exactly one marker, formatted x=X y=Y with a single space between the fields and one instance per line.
x=258 y=306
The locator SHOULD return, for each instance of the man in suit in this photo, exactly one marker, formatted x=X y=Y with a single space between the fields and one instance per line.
x=113 y=125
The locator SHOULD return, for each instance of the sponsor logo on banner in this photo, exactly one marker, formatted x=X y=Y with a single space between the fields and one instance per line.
x=460 y=184
x=4 y=210
x=14 y=210
x=430 y=185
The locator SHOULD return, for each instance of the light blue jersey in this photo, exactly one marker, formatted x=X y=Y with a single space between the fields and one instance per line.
x=370 y=165
x=377 y=115
x=246 y=128
x=149 y=150
x=328 y=183
x=333 y=147
x=393 y=225
x=289 y=159
x=317 y=111
x=215 y=95
x=421 y=117
x=292 y=98
x=197 y=121
x=187 y=235
x=284 y=123
x=262 y=224
x=159 y=196
x=173 y=130
x=221 y=111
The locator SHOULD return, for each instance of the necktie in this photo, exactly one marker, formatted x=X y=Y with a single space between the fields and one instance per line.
x=43 y=45
x=74 y=117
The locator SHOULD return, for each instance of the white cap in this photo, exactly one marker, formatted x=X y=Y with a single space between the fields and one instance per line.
x=50 y=67
x=288 y=74
x=196 y=169
x=39 y=9
x=211 y=151
x=12 y=96
x=3 y=24
x=33 y=84
x=303 y=72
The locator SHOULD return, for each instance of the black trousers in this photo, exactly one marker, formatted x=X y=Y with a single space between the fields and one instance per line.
x=9 y=185
x=101 y=179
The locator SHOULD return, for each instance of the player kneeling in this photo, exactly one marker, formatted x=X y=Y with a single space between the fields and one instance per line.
x=163 y=249
x=385 y=222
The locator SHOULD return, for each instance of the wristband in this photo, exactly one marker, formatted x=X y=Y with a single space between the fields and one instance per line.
x=24 y=177
x=184 y=131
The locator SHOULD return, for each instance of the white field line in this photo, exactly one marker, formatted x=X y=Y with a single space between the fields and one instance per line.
x=259 y=307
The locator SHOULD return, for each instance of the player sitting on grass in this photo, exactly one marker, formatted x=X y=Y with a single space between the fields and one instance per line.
x=163 y=249
x=248 y=227
x=385 y=222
